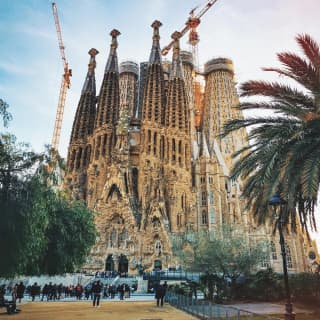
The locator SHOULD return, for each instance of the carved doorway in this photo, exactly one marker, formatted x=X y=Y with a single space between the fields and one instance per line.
x=123 y=264
x=109 y=263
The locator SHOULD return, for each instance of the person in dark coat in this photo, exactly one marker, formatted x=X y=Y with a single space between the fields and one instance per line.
x=96 y=290
x=20 y=291
x=34 y=291
x=45 y=292
x=160 y=293
x=87 y=291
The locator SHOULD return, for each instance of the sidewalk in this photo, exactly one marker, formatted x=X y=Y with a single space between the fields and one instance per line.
x=83 y=310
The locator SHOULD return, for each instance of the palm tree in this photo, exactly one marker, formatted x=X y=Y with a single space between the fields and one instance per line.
x=284 y=153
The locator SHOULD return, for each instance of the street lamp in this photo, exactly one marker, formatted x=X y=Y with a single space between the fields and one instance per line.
x=276 y=201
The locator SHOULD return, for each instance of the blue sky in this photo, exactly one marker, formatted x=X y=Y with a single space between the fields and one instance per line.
x=250 y=32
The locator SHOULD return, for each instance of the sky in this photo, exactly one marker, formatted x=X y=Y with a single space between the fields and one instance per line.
x=250 y=32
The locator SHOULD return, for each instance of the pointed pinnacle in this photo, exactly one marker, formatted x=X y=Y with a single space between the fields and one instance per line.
x=92 y=64
x=156 y=24
x=93 y=52
x=114 y=34
x=176 y=35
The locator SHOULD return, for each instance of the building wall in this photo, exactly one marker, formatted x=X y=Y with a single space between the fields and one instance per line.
x=147 y=192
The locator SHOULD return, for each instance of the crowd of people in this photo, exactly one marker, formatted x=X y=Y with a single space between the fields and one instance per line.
x=93 y=291
x=52 y=292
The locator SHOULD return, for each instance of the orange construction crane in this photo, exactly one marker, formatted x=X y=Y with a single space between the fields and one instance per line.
x=65 y=84
x=191 y=24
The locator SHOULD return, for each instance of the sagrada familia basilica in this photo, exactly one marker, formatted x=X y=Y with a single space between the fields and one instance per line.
x=146 y=155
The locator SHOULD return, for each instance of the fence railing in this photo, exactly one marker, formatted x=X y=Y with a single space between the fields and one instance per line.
x=171 y=275
x=207 y=310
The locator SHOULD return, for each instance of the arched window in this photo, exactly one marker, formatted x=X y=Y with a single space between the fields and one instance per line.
x=173 y=150
x=123 y=238
x=182 y=201
x=113 y=242
x=273 y=251
x=289 y=257
x=155 y=143
x=149 y=142
x=211 y=197
x=203 y=198
x=79 y=156
x=204 y=217
x=162 y=147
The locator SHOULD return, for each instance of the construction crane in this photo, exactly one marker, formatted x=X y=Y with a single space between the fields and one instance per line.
x=191 y=24
x=65 y=84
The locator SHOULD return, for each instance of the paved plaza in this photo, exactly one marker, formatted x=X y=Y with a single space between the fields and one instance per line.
x=83 y=310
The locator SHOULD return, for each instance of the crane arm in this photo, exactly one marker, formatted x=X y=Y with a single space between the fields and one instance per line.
x=167 y=48
x=187 y=27
x=206 y=8
x=61 y=46
x=65 y=84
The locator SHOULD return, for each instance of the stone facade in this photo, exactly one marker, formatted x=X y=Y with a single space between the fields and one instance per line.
x=147 y=157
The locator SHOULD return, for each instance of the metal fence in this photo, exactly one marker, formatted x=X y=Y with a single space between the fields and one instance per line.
x=207 y=310
x=171 y=275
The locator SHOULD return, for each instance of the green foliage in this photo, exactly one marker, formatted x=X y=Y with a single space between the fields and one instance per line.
x=40 y=231
x=284 y=151
x=70 y=235
x=226 y=252
x=6 y=116
x=224 y=256
x=265 y=285
x=305 y=287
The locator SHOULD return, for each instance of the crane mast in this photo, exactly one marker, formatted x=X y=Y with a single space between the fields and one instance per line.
x=65 y=83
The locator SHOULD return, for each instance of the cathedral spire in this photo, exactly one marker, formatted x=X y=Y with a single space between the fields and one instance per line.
x=112 y=64
x=155 y=56
x=109 y=97
x=177 y=110
x=176 y=71
x=154 y=90
x=84 y=119
x=90 y=82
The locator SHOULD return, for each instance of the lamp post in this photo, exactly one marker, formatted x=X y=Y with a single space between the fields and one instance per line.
x=277 y=201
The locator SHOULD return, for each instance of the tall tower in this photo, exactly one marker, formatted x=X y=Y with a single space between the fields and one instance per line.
x=152 y=139
x=188 y=74
x=129 y=72
x=142 y=84
x=220 y=102
x=178 y=147
x=108 y=104
x=107 y=115
x=155 y=221
x=79 y=149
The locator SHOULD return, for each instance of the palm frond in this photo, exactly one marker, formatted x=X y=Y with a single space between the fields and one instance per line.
x=310 y=48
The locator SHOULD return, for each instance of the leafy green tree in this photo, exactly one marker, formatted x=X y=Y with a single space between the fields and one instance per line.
x=284 y=151
x=40 y=231
x=20 y=237
x=223 y=256
x=6 y=116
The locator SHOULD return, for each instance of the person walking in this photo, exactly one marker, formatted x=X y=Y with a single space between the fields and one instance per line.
x=160 y=294
x=79 y=291
x=34 y=291
x=45 y=292
x=96 y=290
x=14 y=292
x=20 y=291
